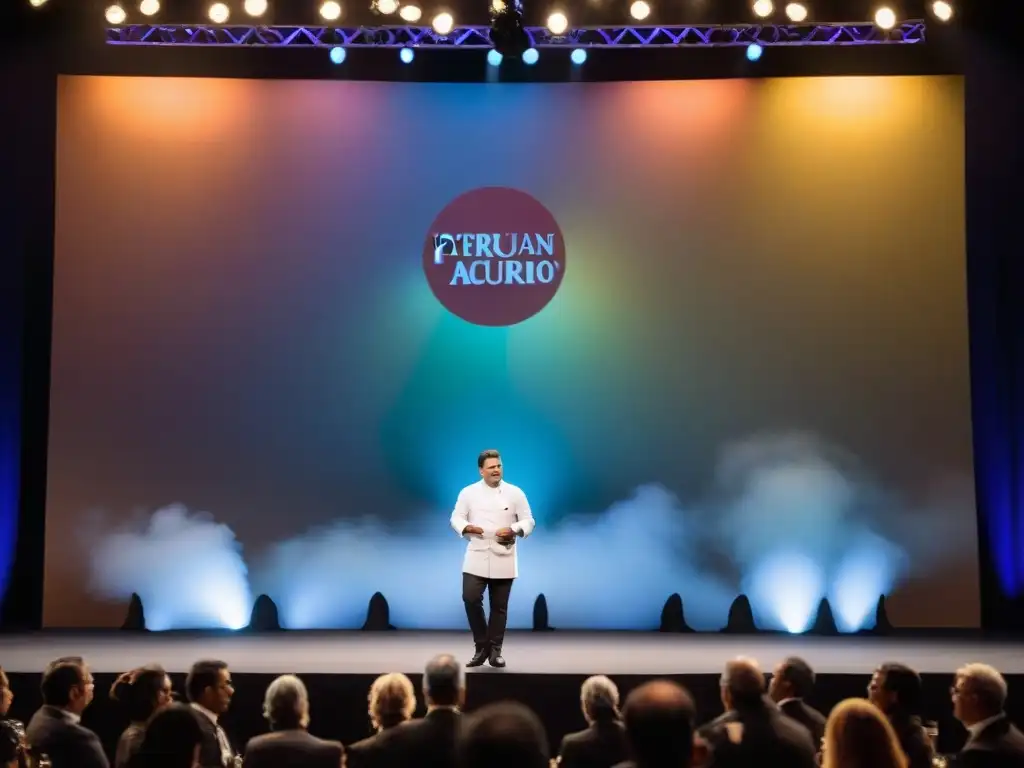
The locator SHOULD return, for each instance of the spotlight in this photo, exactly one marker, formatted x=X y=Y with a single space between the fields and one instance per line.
x=754 y=52
x=443 y=23
x=406 y=55
x=115 y=15
x=943 y=11
x=255 y=7
x=337 y=55
x=37 y=3
x=764 y=8
x=494 y=58
x=557 y=23
x=508 y=36
x=149 y=7
x=578 y=57
x=410 y=13
x=498 y=6
x=530 y=56
x=330 y=11
x=796 y=12
x=387 y=7
x=219 y=13
x=639 y=10
x=885 y=18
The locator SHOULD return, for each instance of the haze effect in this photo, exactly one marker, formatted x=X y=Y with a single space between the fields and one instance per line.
x=788 y=521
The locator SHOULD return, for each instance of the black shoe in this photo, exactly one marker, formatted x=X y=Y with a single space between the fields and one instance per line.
x=495 y=659
x=478 y=658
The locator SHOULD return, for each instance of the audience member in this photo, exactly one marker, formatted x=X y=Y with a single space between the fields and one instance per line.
x=753 y=731
x=6 y=695
x=896 y=690
x=858 y=735
x=979 y=695
x=174 y=738
x=289 y=744
x=55 y=729
x=792 y=682
x=659 y=720
x=392 y=701
x=603 y=743
x=12 y=746
x=209 y=689
x=141 y=692
x=503 y=735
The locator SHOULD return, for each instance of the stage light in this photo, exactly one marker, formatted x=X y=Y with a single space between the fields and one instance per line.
x=406 y=55
x=387 y=7
x=255 y=7
x=149 y=7
x=578 y=57
x=330 y=11
x=942 y=10
x=530 y=56
x=443 y=23
x=37 y=3
x=764 y=8
x=885 y=18
x=219 y=13
x=639 y=10
x=754 y=52
x=498 y=6
x=411 y=13
x=558 y=23
x=508 y=36
x=115 y=15
x=796 y=12
x=494 y=58
x=338 y=55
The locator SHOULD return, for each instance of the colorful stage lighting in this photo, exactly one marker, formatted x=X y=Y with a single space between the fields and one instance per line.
x=330 y=11
x=578 y=57
x=387 y=7
x=219 y=13
x=796 y=12
x=530 y=56
x=639 y=10
x=494 y=58
x=406 y=55
x=885 y=18
x=558 y=23
x=754 y=52
x=764 y=8
x=942 y=10
x=411 y=13
x=37 y=3
x=443 y=23
x=149 y=7
x=255 y=7
x=337 y=55
x=115 y=15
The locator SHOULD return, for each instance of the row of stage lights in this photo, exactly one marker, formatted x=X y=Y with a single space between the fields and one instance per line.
x=443 y=23
x=494 y=58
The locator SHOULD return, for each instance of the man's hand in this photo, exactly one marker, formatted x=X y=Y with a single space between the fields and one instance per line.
x=506 y=535
x=474 y=530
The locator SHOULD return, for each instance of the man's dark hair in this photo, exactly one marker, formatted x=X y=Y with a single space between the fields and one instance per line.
x=745 y=683
x=171 y=738
x=503 y=735
x=64 y=660
x=799 y=675
x=659 y=718
x=203 y=675
x=485 y=455
x=58 y=680
x=138 y=691
x=906 y=684
x=442 y=680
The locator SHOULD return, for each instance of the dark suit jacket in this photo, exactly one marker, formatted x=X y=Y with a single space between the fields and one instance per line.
x=292 y=749
x=425 y=743
x=210 y=753
x=913 y=740
x=760 y=736
x=999 y=745
x=602 y=745
x=808 y=717
x=69 y=745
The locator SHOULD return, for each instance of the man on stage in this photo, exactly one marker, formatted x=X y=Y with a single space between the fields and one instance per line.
x=490 y=515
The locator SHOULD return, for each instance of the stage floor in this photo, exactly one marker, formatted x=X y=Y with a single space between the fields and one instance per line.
x=526 y=652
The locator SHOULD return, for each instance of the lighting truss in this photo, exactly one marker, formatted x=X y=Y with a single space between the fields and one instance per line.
x=910 y=32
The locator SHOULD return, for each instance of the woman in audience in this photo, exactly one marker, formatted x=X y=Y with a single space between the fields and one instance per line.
x=12 y=745
x=392 y=701
x=142 y=692
x=858 y=735
x=171 y=740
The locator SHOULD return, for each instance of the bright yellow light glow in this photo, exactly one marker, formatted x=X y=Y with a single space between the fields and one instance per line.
x=330 y=11
x=411 y=13
x=639 y=10
x=37 y=3
x=219 y=13
x=149 y=7
x=443 y=23
x=558 y=23
x=885 y=18
x=796 y=12
x=115 y=15
x=387 y=7
x=764 y=8
x=255 y=7
x=943 y=11
x=497 y=6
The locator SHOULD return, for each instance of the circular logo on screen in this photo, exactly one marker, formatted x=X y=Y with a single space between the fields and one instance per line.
x=494 y=256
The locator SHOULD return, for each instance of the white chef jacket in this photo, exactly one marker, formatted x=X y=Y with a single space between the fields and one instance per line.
x=492 y=509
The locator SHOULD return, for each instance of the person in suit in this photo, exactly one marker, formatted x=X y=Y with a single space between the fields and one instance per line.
x=791 y=683
x=289 y=744
x=490 y=515
x=502 y=735
x=858 y=735
x=392 y=701
x=979 y=696
x=603 y=743
x=209 y=690
x=12 y=747
x=56 y=728
x=659 y=720
x=142 y=692
x=896 y=690
x=173 y=738
x=753 y=731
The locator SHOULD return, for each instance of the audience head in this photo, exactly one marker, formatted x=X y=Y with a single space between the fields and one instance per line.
x=68 y=685
x=858 y=735
x=11 y=745
x=392 y=700
x=896 y=690
x=503 y=735
x=793 y=679
x=286 y=704
x=172 y=739
x=6 y=695
x=444 y=682
x=979 y=692
x=209 y=685
x=599 y=698
x=742 y=685
x=142 y=692
x=659 y=718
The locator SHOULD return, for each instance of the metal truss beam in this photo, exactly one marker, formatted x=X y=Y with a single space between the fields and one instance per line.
x=479 y=36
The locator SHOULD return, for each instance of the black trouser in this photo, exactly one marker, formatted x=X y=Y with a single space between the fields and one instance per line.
x=486 y=634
